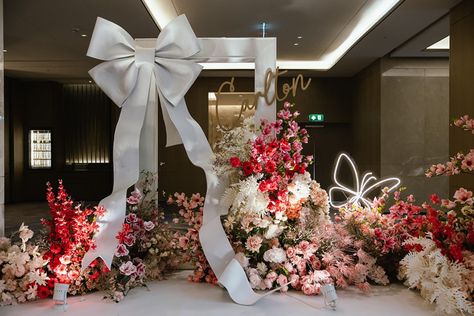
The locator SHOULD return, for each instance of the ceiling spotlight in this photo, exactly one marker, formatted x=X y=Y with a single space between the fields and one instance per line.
x=264 y=28
x=296 y=44
x=300 y=37
x=83 y=35
x=90 y=81
x=5 y=51
x=76 y=30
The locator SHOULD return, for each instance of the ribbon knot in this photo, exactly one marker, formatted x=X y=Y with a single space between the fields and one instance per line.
x=144 y=55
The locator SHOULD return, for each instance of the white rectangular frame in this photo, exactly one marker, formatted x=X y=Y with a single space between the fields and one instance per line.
x=260 y=51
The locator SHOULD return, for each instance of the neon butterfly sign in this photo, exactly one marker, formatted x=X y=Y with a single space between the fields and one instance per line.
x=357 y=195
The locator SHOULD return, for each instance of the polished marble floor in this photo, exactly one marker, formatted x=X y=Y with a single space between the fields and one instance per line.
x=29 y=213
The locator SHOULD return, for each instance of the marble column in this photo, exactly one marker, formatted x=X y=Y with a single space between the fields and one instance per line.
x=2 y=131
x=415 y=122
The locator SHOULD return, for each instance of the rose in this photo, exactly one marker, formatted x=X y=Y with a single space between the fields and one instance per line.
x=141 y=269
x=148 y=225
x=129 y=240
x=128 y=268
x=121 y=251
x=131 y=218
x=235 y=162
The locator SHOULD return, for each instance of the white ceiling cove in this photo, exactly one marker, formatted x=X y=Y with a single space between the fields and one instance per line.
x=41 y=43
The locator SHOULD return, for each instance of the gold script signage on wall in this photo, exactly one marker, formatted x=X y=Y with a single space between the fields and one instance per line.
x=270 y=77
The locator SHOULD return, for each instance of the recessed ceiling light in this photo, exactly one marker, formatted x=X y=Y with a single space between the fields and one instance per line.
x=296 y=44
x=300 y=37
x=5 y=51
x=75 y=30
x=83 y=35
x=442 y=44
x=90 y=81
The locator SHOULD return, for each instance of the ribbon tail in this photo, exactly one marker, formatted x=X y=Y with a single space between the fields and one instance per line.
x=172 y=134
x=215 y=244
x=126 y=171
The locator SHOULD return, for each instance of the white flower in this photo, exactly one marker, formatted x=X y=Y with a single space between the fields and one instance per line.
x=273 y=231
x=255 y=280
x=438 y=279
x=247 y=197
x=31 y=292
x=25 y=233
x=300 y=186
x=242 y=259
x=38 y=277
x=262 y=268
x=276 y=255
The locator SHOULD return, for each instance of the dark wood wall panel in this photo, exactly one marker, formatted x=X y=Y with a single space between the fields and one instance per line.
x=87 y=125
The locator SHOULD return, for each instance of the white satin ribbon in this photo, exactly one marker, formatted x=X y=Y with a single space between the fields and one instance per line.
x=130 y=76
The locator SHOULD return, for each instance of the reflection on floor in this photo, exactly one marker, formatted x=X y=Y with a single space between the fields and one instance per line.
x=28 y=213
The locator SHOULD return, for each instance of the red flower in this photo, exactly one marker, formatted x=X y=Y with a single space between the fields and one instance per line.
x=435 y=199
x=257 y=167
x=43 y=291
x=270 y=166
x=235 y=162
x=455 y=252
x=55 y=248
x=248 y=168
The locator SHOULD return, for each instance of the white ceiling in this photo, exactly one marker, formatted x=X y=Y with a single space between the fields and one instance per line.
x=41 y=43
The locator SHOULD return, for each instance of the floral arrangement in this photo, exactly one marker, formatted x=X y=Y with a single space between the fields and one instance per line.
x=69 y=236
x=21 y=266
x=278 y=219
x=146 y=249
x=190 y=212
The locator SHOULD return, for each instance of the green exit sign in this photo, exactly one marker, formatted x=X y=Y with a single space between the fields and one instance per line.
x=316 y=117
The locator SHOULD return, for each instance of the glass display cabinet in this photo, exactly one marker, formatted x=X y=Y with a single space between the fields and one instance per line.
x=39 y=145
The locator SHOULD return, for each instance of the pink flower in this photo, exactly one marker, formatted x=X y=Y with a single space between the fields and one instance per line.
x=128 y=268
x=129 y=240
x=310 y=289
x=254 y=243
x=131 y=218
x=183 y=242
x=468 y=162
x=148 y=225
x=290 y=252
x=364 y=287
x=141 y=269
x=463 y=196
x=135 y=197
x=121 y=251
x=272 y=276
x=448 y=204
x=282 y=281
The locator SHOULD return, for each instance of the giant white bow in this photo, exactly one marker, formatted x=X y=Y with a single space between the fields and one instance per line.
x=131 y=76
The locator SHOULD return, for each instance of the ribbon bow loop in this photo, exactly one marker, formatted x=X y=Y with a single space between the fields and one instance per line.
x=119 y=74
